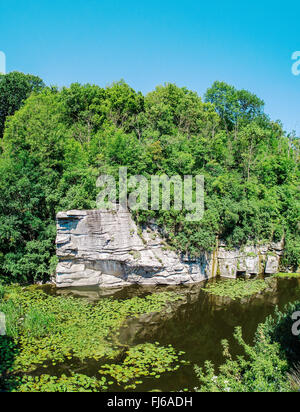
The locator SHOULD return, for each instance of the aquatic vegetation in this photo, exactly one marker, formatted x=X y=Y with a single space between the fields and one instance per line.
x=60 y=344
x=236 y=288
x=74 y=383
x=146 y=360
x=50 y=330
x=288 y=275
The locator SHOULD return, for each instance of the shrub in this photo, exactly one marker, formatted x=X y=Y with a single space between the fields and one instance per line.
x=261 y=370
x=267 y=366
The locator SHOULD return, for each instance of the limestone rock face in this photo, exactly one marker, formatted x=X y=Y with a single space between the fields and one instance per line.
x=2 y=324
x=272 y=265
x=105 y=248
x=250 y=260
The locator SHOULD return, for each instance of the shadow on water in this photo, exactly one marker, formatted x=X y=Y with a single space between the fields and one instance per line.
x=94 y=294
x=8 y=353
x=195 y=325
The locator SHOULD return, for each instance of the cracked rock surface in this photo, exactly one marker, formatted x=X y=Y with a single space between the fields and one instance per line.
x=105 y=248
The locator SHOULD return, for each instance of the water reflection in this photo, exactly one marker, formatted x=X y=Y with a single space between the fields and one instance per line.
x=196 y=325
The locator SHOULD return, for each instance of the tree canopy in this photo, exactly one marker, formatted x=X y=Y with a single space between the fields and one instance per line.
x=59 y=141
x=15 y=87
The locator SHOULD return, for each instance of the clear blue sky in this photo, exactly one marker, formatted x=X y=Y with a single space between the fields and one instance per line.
x=189 y=42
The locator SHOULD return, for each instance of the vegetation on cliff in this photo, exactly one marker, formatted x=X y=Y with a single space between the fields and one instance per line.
x=59 y=141
x=288 y=275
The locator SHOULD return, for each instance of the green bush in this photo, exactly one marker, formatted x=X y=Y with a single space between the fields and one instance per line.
x=279 y=329
x=267 y=366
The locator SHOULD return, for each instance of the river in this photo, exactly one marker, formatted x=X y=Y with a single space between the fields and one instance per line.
x=195 y=325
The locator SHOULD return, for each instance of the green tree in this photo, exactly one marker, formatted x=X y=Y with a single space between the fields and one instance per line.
x=59 y=141
x=15 y=88
x=234 y=106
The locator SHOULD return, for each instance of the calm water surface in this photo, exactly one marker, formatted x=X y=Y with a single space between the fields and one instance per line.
x=197 y=325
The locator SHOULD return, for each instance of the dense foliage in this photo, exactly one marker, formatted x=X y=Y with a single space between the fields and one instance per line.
x=58 y=143
x=270 y=365
x=14 y=89
x=279 y=329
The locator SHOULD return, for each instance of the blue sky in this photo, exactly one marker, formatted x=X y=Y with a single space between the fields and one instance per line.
x=191 y=43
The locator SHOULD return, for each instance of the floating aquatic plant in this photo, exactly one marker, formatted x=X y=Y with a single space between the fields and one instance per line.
x=49 y=330
x=236 y=289
x=146 y=360
x=73 y=383
x=288 y=275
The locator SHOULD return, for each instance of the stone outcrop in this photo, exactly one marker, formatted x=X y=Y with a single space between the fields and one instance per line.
x=2 y=325
x=105 y=248
x=250 y=260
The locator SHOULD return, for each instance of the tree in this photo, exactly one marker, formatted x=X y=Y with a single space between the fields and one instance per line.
x=170 y=109
x=59 y=141
x=234 y=106
x=15 y=88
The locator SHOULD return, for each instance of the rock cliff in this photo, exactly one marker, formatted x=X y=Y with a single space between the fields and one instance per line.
x=250 y=260
x=107 y=249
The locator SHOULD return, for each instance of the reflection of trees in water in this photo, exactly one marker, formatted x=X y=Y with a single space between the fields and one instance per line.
x=198 y=322
x=8 y=353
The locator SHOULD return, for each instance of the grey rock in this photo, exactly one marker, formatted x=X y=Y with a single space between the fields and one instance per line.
x=272 y=265
x=103 y=248
x=228 y=267
x=106 y=249
x=252 y=265
x=2 y=324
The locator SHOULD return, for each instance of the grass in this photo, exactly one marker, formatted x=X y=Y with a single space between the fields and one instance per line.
x=294 y=377
x=13 y=314
x=38 y=323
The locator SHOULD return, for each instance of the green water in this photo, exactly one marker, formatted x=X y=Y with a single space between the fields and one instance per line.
x=197 y=325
